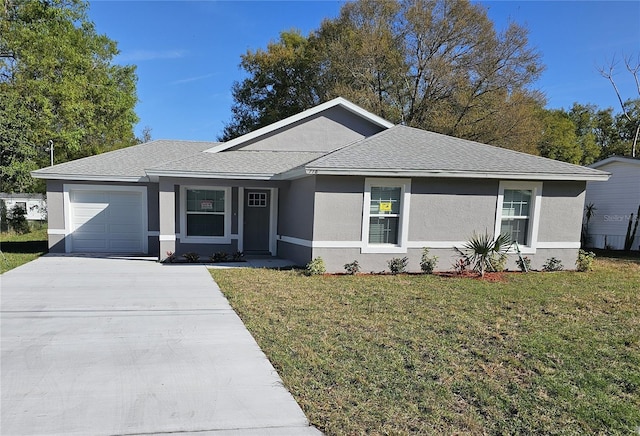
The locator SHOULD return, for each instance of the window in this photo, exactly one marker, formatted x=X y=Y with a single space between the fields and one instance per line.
x=518 y=212
x=385 y=215
x=205 y=210
x=515 y=214
x=257 y=199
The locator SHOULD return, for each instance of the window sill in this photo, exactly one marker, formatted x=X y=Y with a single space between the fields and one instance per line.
x=205 y=240
x=383 y=248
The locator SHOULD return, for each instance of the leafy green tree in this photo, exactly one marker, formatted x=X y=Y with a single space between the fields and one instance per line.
x=438 y=65
x=58 y=82
x=559 y=140
x=282 y=82
x=585 y=121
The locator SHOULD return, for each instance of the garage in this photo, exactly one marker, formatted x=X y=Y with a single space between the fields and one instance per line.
x=110 y=220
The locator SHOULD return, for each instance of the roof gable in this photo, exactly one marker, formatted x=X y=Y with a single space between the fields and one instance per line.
x=308 y=124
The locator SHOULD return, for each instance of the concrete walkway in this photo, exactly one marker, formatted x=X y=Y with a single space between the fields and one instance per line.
x=105 y=346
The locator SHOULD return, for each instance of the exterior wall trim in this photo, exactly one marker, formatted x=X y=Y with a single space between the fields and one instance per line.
x=414 y=244
x=56 y=232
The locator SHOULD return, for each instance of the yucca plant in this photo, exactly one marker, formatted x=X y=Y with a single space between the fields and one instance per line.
x=484 y=253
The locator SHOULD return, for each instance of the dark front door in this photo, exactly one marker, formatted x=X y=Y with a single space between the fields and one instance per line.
x=256 y=221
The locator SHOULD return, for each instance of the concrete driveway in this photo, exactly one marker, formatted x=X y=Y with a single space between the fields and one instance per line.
x=105 y=346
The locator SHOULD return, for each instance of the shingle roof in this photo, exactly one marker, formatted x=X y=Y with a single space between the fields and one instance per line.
x=406 y=149
x=237 y=163
x=129 y=162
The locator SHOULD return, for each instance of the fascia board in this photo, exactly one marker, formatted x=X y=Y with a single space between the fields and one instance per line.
x=207 y=175
x=295 y=173
x=460 y=174
x=92 y=178
x=339 y=101
x=608 y=160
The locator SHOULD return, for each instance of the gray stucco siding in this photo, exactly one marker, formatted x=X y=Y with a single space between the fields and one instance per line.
x=451 y=210
x=561 y=211
x=299 y=254
x=296 y=208
x=338 y=208
x=326 y=131
x=336 y=258
x=55 y=204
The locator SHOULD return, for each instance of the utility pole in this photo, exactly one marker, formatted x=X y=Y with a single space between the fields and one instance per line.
x=50 y=150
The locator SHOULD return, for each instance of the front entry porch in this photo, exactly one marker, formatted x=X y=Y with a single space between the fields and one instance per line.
x=217 y=216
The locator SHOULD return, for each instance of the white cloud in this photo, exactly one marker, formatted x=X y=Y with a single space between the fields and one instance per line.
x=192 y=79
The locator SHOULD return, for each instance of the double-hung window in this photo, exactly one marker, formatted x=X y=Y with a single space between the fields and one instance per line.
x=518 y=212
x=386 y=212
x=205 y=212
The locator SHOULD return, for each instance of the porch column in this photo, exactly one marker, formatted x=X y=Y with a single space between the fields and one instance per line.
x=167 y=207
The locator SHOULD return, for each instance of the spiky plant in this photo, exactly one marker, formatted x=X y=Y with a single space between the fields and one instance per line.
x=483 y=252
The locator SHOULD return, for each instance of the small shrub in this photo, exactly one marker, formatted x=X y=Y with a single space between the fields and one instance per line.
x=238 y=256
x=398 y=265
x=352 y=268
x=315 y=267
x=524 y=264
x=4 y=222
x=220 y=256
x=18 y=220
x=191 y=257
x=460 y=265
x=585 y=260
x=427 y=263
x=171 y=257
x=552 y=264
x=499 y=263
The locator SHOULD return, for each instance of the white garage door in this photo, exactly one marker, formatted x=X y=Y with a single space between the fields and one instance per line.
x=107 y=221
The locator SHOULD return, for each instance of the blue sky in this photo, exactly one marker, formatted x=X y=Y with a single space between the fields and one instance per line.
x=187 y=52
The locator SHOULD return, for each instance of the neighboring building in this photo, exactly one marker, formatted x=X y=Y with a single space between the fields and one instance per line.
x=34 y=204
x=615 y=201
x=334 y=181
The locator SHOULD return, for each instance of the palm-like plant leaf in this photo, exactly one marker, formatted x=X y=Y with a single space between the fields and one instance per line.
x=483 y=252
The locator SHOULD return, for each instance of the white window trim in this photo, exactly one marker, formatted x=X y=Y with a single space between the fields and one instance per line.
x=226 y=238
x=536 y=204
x=403 y=230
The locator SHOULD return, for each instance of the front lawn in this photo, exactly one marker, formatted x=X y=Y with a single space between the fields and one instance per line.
x=19 y=249
x=537 y=353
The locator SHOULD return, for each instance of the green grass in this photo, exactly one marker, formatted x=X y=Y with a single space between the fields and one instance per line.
x=552 y=353
x=20 y=249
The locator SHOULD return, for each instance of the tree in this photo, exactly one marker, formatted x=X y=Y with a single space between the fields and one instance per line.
x=58 y=82
x=282 y=82
x=559 y=139
x=633 y=67
x=438 y=65
x=146 y=135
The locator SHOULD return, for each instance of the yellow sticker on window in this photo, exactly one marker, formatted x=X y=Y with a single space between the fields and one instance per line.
x=385 y=207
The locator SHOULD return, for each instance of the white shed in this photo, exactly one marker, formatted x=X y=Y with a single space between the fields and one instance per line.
x=615 y=200
x=34 y=204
